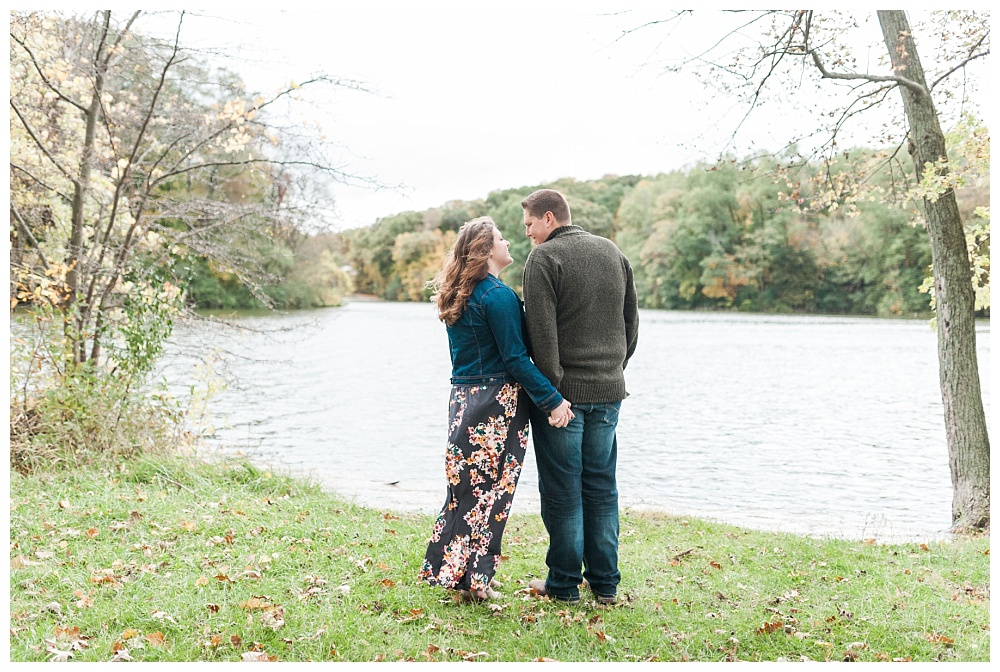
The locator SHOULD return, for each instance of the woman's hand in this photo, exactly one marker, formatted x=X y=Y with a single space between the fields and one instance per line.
x=561 y=415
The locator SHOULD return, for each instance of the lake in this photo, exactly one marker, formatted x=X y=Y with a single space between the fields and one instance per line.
x=829 y=426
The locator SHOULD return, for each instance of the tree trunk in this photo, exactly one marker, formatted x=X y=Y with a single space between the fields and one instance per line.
x=80 y=192
x=965 y=421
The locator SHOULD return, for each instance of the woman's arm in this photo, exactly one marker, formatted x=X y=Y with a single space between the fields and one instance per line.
x=503 y=314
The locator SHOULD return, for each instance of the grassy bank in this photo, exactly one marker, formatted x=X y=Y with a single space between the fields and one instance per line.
x=164 y=560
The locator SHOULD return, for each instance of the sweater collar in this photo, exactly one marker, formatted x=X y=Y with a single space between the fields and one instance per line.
x=563 y=230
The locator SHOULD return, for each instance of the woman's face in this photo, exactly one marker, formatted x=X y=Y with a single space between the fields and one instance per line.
x=500 y=254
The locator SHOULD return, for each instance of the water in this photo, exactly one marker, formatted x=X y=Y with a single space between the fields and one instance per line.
x=829 y=426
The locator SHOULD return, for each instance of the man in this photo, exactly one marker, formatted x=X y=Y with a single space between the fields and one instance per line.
x=583 y=324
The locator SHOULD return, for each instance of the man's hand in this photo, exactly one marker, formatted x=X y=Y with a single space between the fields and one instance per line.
x=561 y=415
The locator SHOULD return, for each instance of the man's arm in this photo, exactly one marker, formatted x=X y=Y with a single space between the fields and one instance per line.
x=631 y=311
x=540 y=314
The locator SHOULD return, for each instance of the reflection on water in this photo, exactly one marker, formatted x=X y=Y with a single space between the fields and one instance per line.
x=819 y=425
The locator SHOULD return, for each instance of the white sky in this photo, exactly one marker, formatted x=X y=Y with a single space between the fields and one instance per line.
x=475 y=97
x=473 y=100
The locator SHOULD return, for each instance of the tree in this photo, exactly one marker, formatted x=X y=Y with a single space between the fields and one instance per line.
x=792 y=50
x=129 y=153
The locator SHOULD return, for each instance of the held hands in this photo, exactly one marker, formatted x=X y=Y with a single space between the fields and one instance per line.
x=561 y=415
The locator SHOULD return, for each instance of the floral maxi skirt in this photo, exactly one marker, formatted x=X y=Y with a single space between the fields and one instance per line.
x=487 y=438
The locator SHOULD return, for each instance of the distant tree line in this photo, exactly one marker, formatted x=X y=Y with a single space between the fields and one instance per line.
x=720 y=236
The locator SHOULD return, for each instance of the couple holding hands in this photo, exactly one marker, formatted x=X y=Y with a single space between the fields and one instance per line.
x=580 y=317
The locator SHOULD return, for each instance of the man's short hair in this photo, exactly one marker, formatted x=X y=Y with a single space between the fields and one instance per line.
x=547 y=200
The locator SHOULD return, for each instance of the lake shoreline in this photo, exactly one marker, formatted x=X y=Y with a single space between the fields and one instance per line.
x=812 y=425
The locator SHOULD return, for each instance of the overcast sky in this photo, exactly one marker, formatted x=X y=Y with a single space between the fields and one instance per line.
x=473 y=97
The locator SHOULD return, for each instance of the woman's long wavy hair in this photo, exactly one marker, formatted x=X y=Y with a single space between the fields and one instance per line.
x=465 y=266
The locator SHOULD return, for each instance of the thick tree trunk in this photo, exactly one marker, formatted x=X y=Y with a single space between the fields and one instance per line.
x=965 y=421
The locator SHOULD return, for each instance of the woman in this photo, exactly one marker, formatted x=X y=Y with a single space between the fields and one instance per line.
x=488 y=417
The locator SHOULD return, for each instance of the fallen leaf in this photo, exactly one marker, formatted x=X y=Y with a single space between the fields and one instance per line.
x=64 y=504
x=20 y=562
x=258 y=657
x=236 y=640
x=121 y=656
x=938 y=639
x=255 y=603
x=769 y=627
x=714 y=564
x=925 y=547
x=162 y=615
x=201 y=581
x=273 y=619
x=213 y=608
x=57 y=655
x=69 y=639
x=388 y=583
x=156 y=639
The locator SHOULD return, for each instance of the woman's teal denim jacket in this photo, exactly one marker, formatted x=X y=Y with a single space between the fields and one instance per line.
x=487 y=344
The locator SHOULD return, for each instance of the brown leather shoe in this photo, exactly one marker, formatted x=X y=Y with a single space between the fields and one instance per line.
x=537 y=587
x=606 y=600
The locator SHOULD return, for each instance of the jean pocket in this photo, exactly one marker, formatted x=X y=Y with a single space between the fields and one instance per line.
x=611 y=413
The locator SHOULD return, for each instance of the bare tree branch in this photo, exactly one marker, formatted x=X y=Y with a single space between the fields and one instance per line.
x=27 y=233
x=42 y=184
x=972 y=56
x=45 y=80
x=125 y=247
x=45 y=151
x=917 y=89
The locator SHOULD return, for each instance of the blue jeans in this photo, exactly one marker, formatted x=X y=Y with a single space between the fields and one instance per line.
x=579 y=497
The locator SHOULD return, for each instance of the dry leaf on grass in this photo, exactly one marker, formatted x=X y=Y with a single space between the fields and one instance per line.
x=768 y=628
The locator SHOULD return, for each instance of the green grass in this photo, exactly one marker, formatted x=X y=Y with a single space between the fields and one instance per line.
x=169 y=560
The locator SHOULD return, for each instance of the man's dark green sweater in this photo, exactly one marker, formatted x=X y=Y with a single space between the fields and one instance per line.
x=582 y=314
